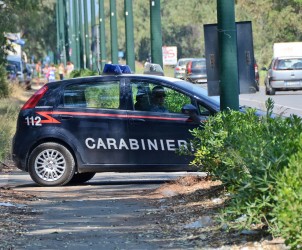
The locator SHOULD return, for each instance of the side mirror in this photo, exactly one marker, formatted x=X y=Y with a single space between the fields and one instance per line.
x=191 y=110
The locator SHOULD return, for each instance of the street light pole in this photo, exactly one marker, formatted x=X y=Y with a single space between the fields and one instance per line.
x=86 y=34
x=81 y=35
x=113 y=29
x=130 y=55
x=102 y=34
x=93 y=36
x=76 y=33
x=227 y=42
x=156 y=34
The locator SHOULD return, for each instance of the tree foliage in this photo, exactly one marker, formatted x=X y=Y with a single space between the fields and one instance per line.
x=34 y=20
x=182 y=24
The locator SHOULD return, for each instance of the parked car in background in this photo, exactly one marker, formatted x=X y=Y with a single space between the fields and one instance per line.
x=180 y=68
x=283 y=73
x=153 y=69
x=196 y=71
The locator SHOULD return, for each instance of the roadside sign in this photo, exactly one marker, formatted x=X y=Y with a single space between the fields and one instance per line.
x=169 y=55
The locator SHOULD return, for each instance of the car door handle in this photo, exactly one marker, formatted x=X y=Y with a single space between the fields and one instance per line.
x=66 y=117
x=138 y=120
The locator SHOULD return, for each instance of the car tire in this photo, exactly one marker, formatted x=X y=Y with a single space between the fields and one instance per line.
x=80 y=178
x=51 y=164
x=270 y=91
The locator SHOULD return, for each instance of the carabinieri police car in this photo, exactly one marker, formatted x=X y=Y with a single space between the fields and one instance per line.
x=122 y=122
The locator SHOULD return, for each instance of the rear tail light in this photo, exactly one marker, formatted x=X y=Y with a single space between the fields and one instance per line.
x=189 y=67
x=275 y=65
x=177 y=68
x=32 y=102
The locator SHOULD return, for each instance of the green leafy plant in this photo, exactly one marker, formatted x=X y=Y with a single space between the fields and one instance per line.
x=8 y=115
x=247 y=153
x=82 y=73
x=288 y=200
x=4 y=88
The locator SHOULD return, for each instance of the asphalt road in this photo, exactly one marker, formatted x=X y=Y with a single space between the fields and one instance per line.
x=106 y=213
x=285 y=102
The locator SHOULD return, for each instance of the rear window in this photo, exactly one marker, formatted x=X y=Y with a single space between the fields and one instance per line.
x=199 y=64
x=105 y=95
x=289 y=64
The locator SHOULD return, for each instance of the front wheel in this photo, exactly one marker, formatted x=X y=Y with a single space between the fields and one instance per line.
x=51 y=164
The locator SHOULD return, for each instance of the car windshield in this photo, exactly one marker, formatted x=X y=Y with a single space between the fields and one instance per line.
x=289 y=64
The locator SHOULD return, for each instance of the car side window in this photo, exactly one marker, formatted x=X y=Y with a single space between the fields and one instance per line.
x=104 y=95
x=203 y=110
x=157 y=98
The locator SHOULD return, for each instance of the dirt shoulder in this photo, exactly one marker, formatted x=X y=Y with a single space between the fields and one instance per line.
x=177 y=215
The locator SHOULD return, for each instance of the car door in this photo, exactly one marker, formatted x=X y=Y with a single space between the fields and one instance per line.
x=156 y=135
x=93 y=120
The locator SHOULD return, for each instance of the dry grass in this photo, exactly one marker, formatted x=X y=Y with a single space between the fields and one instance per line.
x=197 y=200
x=9 y=109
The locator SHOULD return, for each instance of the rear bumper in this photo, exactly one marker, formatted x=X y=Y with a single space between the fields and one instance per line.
x=286 y=84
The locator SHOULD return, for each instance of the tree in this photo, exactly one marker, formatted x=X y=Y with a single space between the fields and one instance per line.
x=34 y=20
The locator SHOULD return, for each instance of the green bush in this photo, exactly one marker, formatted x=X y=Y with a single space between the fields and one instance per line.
x=288 y=198
x=4 y=88
x=82 y=73
x=247 y=153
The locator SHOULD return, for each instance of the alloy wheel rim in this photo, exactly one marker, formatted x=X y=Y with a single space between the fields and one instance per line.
x=50 y=165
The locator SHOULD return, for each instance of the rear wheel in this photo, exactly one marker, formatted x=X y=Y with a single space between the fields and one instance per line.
x=269 y=90
x=79 y=178
x=257 y=86
x=51 y=164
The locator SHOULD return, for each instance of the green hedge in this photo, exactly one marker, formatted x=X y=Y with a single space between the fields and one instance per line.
x=288 y=212
x=82 y=73
x=250 y=154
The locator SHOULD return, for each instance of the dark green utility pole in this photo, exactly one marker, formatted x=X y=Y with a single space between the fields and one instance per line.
x=62 y=40
x=113 y=30
x=102 y=34
x=86 y=33
x=58 y=52
x=71 y=31
x=93 y=36
x=75 y=33
x=156 y=35
x=229 y=85
x=130 y=56
x=81 y=35
x=66 y=45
